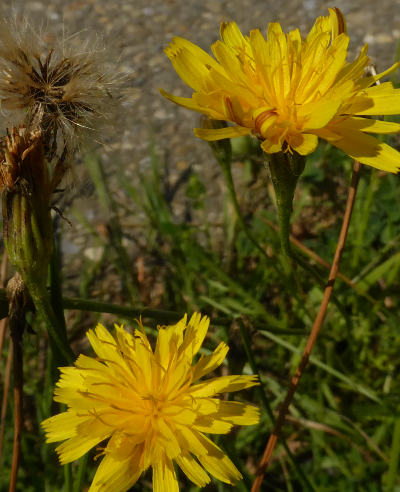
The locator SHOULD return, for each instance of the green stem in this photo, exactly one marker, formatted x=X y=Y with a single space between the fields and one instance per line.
x=80 y=475
x=67 y=478
x=285 y=169
x=41 y=300
x=131 y=313
x=226 y=167
x=56 y=283
x=393 y=475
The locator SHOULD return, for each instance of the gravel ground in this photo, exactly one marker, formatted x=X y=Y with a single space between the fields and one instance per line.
x=138 y=30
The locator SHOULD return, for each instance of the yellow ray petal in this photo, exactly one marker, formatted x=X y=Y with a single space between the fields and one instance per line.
x=209 y=363
x=188 y=66
x=189 y=103
x=164 y=477
x=238 y=413
x=115 y=474
x=71 y=377
x=271 y=147
x=193 y=470
x=76 y=447
x=190 y=440
x=231 y=35
x=195 y=333
x=168 y=438
x=337 y=21
x=185 y=415
x=354 y=70
x=369 y=125
x=200 y=55
x=229 y=61
x=217 y=463
x=168 y=341
x=368 y=81
x=303 y=143
x=211 y=425
x=369 y=150
x=382 y=99
x=222 y=384
x=103 y=343
x=220 y=133
x=124 y=339
x=318 y=114
x=230 y=411
x=85 y=362
x=62 y=426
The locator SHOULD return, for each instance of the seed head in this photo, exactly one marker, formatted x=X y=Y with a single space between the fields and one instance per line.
x=62 y=87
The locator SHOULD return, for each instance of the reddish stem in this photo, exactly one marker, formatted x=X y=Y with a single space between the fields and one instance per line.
x=314 y=332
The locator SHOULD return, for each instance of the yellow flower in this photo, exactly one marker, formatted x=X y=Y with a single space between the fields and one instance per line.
x=288 y=91
x=152 y=407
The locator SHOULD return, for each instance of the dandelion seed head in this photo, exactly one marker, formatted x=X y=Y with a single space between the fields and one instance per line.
x=62 y=87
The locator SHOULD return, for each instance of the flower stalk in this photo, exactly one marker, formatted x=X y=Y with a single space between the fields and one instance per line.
x=27 y=188
x=19 y=301
x=285 y=169
x=312 y=338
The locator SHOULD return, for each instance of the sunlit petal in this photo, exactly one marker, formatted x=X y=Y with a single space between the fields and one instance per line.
x=147 y=405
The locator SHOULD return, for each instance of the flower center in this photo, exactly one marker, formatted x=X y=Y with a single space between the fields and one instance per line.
x=155 y=405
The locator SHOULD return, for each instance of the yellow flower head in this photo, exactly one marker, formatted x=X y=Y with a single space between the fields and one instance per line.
x=289 y=91
x=151 y=406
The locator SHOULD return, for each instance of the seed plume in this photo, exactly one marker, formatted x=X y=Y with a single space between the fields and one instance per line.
x=62 y=87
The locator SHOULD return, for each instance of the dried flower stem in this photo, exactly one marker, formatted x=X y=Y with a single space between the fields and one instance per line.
x=18 y=398
x=314 y=332
x=18 y=302
x=4 y=403
x=7 y=372
x=3 y=274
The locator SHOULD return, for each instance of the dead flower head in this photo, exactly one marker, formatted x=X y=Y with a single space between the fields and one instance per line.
x=62 y=87
x=26 y=186
x=21 y=162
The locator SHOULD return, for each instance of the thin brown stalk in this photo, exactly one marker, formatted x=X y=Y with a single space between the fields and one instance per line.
x=3 y=273
x=7 y=375
x=4 y=403
x=18 y=388
x=309 y=252
x=17 y=295
x=314 y=332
